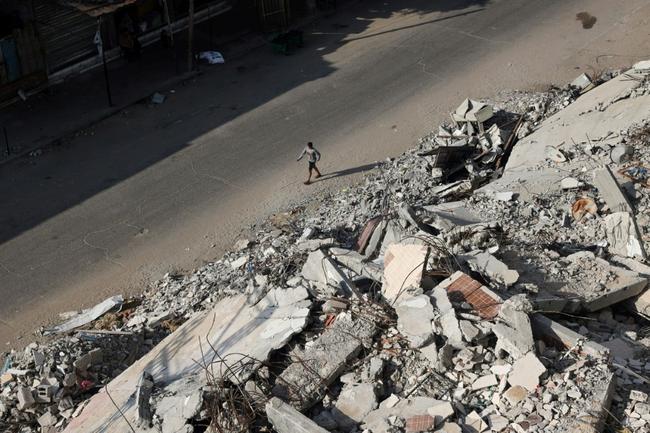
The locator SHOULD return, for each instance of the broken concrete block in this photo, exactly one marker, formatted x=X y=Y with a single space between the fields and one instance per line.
x=636 y=395
x=516 y=337
x=446 y=216
x=610 y=191
x=515 y=394
x=47 y=420
x=641 y=304
x=357 y=263
x=642 y=67
x=177 y=409
x=403 y=268
x=497 y=423
x=286 y=419
x=474 y=423
x=488 y=265
x=526 y=372
x=582 y=82
x=484 y=382
x=83 y=363
x=441 y=411
x=447 y=320
x=241 y=245
x=414 y=316
x=334 y=306
x=430 y=352
x=470 y=332
x=501 y=369
x=25 y=398
x=39 y=358
x=454 y=188
x=6 y=378
x=472 y=111
x=355 y=402
x=570 y=183
x=315 y=244
x=623 y=235
x=449 y=427
x=96 y=356
x=240 y=262
x=546 y=329
x=621 y=153
x=69 y=380
x=44 y=393
x=304 y=382
x=321 y=268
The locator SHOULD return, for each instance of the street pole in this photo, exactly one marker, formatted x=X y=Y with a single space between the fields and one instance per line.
x=100 y=47
x=190 y=38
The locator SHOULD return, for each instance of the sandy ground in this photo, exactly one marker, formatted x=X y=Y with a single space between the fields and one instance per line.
x=171 y=186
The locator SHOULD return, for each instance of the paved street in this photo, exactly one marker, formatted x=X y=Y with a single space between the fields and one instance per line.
x=170 y=186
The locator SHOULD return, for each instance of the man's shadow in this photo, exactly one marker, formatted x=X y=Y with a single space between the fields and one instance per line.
x=346 y=172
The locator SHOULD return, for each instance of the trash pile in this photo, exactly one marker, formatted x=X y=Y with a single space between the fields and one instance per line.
x=493 y=279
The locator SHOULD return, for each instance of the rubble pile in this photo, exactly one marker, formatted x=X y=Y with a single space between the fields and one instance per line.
x=490 y=280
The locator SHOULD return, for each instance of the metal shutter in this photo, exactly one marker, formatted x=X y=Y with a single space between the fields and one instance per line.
x=67 y=34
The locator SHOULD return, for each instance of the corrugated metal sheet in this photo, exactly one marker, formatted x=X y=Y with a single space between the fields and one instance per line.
x=67 y=34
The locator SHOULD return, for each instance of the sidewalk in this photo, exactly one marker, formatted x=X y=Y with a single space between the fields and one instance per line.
x=64 y=109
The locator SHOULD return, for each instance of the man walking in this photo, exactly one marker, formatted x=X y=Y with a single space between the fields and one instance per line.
x=313 y=157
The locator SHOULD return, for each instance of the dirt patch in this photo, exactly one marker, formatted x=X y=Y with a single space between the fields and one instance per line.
x=586 y=19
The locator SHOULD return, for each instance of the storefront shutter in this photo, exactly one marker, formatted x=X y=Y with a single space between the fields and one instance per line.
x=67 y=34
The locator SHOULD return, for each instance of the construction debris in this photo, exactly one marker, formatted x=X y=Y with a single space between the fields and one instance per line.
x=474 y=284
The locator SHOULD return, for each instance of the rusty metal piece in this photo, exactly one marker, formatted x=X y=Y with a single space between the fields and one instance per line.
x=366 y=234
x=582 y=207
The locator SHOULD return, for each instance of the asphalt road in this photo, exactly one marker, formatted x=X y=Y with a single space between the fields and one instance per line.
x=169 y=187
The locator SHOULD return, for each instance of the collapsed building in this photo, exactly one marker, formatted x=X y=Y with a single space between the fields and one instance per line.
x=493 y=279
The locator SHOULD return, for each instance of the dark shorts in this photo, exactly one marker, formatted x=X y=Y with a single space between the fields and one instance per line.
x=312 y=165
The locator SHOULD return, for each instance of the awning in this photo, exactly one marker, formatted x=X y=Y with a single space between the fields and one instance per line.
x=96 y=8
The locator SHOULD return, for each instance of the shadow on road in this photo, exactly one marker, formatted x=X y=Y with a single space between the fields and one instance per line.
x=33 y=190
x=346 y=172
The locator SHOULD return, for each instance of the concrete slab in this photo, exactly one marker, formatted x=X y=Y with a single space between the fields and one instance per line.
x=487 y=265
x=414 y=317
x=403 y=268
x=236 y=331
x=556 y=334
x=526 y=372
x=305 y=381
x=610 y=191
x=355 y=402
x=591 y=117
x=446 y=216
x=286 y=419
x=319 y=267
x=357 y=263
x=623 y=235
x=447 y=320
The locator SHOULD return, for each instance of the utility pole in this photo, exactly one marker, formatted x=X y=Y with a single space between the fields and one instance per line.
x=190 y=37
x=99 y=42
